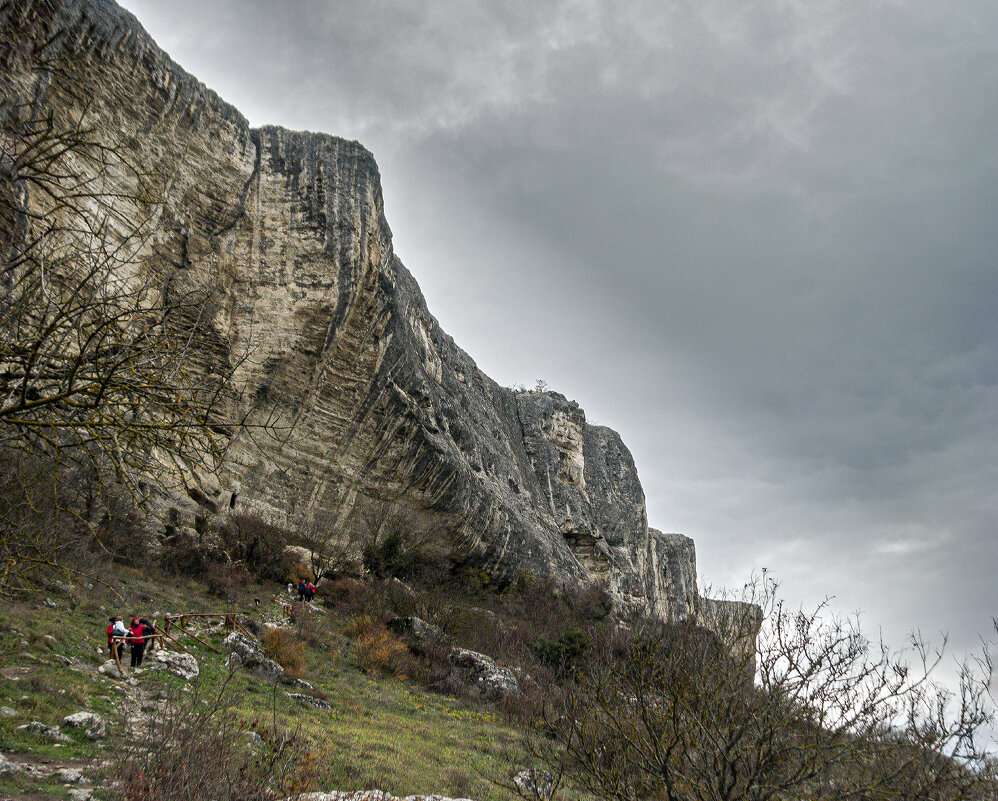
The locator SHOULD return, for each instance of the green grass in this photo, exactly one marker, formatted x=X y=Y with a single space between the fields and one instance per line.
x=21 y=786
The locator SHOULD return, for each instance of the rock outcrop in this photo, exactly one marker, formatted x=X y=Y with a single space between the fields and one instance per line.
x=184 y=666
x=491 y=680
x=245 y=653
x=318 y=325
x=371 y=795
x=93 y=725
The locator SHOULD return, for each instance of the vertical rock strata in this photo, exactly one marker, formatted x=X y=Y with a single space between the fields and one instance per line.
x=327 y=331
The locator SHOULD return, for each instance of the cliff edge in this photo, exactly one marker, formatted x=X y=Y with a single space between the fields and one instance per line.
x=321 y=326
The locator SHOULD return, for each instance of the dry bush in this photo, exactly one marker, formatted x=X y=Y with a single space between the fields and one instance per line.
x=226 y=580
x=260 y=545
x=526 y=707
x=197 y=747
x=182 y=554
x=672 y=711
x=380 y=650
x=398 y=540
x=285 y=649
x=347 y=595
x=312 y=628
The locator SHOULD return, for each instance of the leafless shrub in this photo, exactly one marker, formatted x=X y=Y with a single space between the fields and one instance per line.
x=816 y=710
x=109 y=360
x=287 y=650
x=383 y=538
x=196 y=746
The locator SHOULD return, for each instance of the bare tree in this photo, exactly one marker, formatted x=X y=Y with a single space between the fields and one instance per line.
x=97 y=337
x=815 y=711
x=110 y=366
x=400 y=540
x=333 y=544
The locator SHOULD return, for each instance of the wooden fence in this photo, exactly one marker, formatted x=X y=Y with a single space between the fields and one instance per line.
x=162 y=637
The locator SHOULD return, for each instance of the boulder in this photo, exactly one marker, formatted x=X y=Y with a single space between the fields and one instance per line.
x=8 y=768
x=41 y=730
x=244 y=652
x=534 y=783
x=489 y=677
x=81 y=795
x=69 y=776
x=309 y=700
x=183 y=665
x=109 y=668
x=7 y=712
x=93 y=725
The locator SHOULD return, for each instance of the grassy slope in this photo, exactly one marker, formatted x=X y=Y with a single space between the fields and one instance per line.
x=381 y=732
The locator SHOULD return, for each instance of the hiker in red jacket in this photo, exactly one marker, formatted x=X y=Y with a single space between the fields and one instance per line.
x=137 y=639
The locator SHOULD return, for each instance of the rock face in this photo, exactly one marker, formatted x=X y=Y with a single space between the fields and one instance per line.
x=324 y=330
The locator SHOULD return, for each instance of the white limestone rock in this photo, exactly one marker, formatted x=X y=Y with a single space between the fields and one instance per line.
x=183 y=665
x=244 y=652
x=309 y=700
x=489 y=677
x=69 y=776
x=93 y=725
x=8 y=768
x=48 y=732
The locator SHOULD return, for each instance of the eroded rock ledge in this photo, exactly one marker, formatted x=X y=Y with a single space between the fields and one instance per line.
x=329 y=332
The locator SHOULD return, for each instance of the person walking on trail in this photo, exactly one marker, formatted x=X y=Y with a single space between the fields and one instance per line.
x=137 y=639
x=115 y=631
x=148 y=630
x=302 y=589
x=110 y=636
x=309 y=592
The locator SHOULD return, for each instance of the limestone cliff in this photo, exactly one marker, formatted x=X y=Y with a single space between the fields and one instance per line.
x=323 y=327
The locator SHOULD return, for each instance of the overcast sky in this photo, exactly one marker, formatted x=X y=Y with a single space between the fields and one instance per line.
x=757 y=237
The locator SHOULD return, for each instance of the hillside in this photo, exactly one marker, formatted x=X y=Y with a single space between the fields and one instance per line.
x=380 y=728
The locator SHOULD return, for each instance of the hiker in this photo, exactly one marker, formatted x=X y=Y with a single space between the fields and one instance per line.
x=137 y=639
x=115 y=630
x=302 y=589
x=311 y=592
x=148 y=630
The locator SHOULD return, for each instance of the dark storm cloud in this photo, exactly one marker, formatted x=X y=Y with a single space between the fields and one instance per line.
x=756 y=237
